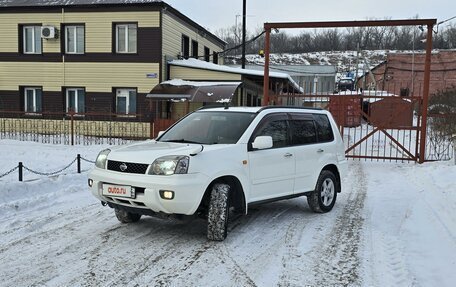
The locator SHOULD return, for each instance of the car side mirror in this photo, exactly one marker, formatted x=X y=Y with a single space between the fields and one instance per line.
x=160 y=133
x=262 y=142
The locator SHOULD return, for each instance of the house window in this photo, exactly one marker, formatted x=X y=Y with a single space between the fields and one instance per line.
x=32 y=39
x=206 y=54
x=125 y=101
x=126 y=38
x=75 y=100
x=195 y=49
x=185 y=48
x=215 y=58
x=74 y=39
x=32 y=100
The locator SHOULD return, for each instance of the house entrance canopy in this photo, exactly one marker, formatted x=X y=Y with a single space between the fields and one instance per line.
x=177 y=90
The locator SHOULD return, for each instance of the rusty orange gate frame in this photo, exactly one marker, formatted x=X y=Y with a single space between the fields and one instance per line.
x=420 y=157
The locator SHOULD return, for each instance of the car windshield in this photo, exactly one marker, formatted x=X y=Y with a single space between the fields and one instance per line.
x=209 y=127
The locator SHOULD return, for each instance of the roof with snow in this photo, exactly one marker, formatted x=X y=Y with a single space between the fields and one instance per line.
x=298 y=70
x=26 y=3
x=198 y=64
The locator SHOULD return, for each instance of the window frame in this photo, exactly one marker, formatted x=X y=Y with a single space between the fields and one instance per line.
x=126 y=25
x=35 y=28
x=207 y=54
x=34 y=89
x=67 y=97
x=185 y=46
x=195 y=49
x=66 y=46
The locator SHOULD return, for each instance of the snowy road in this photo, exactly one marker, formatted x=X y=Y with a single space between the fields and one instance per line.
x=393 y=225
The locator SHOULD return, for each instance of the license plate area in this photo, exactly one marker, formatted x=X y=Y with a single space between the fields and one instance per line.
x=114 y=190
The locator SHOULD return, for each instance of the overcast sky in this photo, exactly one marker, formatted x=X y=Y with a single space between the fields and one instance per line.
x=215 y=14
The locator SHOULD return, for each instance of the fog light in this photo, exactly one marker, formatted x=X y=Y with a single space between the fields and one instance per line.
x=167 y=194
x=90 y=182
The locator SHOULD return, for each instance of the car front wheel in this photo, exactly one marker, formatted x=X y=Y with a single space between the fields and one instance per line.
x=323 y=198
x=217 y=217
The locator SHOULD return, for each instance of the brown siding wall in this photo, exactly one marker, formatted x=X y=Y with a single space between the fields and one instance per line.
x=54 y=102
x=9 y=100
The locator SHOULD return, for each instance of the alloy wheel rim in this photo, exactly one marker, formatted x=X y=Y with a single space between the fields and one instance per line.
x=327 y=192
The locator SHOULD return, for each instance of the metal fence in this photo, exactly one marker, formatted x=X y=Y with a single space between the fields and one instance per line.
x=378 y=125
x=72 y=128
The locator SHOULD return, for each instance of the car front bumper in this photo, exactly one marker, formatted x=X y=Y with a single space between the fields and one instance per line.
x=188 y=190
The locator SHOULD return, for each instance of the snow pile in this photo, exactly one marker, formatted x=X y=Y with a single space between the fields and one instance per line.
x=393 y=225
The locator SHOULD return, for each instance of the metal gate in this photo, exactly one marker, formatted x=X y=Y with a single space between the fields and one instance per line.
x=375 y=124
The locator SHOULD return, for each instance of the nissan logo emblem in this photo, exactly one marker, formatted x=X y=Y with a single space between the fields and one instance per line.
x=123 y=167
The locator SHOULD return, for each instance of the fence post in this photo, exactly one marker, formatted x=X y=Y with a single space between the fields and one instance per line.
x=151 y=128
x=453 y=137
x=20 y=171
x=79 y=162
x=72 y=127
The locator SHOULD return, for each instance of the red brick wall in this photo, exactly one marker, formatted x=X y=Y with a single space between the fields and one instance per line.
x=399 y=73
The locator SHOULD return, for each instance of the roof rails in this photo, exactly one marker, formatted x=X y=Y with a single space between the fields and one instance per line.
x=288 y=107
x=213 y=106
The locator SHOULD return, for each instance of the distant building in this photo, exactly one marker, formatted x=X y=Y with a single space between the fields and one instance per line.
x=403 y=73
x=314 y=79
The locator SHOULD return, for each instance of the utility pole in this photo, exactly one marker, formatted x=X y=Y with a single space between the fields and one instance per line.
x=244 y=17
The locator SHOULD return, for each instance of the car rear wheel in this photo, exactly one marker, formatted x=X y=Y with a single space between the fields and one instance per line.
x=323 y=198
x=125 y=216
x=217 y=217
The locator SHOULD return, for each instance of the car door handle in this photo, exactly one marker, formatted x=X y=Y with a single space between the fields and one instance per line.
x=320 y=150
x=288 y=155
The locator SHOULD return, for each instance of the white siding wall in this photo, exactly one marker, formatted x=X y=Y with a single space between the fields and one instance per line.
x=173 y=29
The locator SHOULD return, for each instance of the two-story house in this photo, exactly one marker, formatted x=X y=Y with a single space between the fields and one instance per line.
x=92 y=56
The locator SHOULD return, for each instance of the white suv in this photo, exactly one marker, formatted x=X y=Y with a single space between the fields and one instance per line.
x=216 y=161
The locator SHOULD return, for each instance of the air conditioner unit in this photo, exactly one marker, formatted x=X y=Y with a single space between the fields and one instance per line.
x=48 y=32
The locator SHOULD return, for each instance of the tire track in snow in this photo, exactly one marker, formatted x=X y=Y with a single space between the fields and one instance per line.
x=390 y=256
x=338 y=259
x=152 y=249
x=293 y=237
x=53 y=221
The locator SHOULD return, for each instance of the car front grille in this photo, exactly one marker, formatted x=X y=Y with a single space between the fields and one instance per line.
x=127 y=167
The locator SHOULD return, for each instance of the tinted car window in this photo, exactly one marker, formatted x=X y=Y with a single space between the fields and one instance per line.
x=324 y=130
x=303 y=132
x=277 y=129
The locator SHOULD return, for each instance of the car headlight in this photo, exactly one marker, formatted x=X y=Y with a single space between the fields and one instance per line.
x=102 y=158
x=168 y=165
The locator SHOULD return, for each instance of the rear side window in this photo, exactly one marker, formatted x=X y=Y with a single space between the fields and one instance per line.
x=324 y=130
x=303 y=132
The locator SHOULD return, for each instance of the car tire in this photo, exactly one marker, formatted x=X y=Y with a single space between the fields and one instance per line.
x=218 y=214
x=323 y=198
x=126 y=217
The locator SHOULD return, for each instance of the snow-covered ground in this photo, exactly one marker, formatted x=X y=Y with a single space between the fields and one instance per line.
x=393 y=225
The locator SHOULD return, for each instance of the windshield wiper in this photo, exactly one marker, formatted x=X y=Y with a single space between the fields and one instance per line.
x=182 y=141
